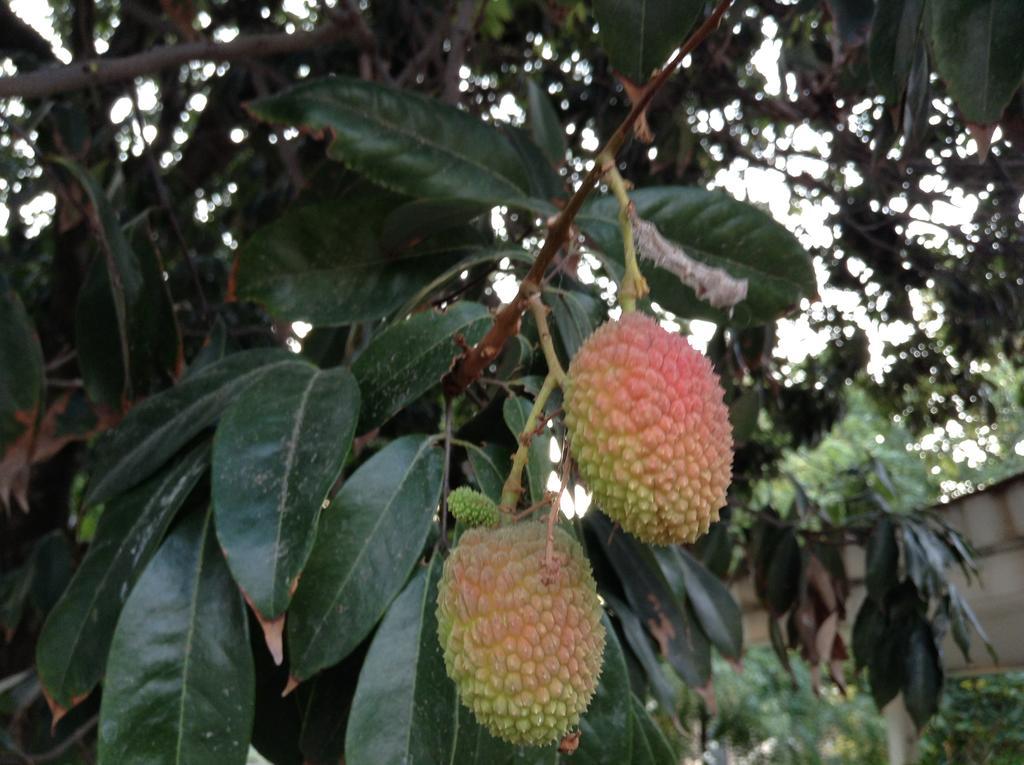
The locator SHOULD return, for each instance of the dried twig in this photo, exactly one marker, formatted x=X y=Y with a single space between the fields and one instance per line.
x=713 y=285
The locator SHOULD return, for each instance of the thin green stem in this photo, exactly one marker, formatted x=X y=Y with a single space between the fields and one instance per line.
x=633 y=286
x=513 y=487
x=540 y=316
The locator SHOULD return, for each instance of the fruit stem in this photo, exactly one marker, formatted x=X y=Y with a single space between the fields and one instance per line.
x=633 y=285
x=513 y=487
x=540 y=315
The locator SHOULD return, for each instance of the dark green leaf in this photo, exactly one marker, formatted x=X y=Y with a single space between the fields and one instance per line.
x=656 y=748
x=158 y=427
x=963 y=609
x=576 y=316
x=881 y=561
x=640 y=644
x=214 y=349
x=271 y=475
x=640 y=35
x=404 y=705
x=51 y=564
x=783 y=579
x=717 y=611
x=128 y=289
x=894 y=32
x=21 y=369
x=668 y=621
x=490 y=465
x=606 y=727
x=544 y=181
x=402 y=140
x=15 y=586
x=779 y=643
x=922 y=682
x=326 y=711
x=72 y=647
x=852 y=19
x=917 y=105
x=714 y=549
x=545 y=127
x=326 y=263
x=516 y=410
x=409 y=358
x=886 y=662
x=716 y=229
x=179 y=686
x=976 y=46
x=743 y=413
x=868 y=628
x=368 y=541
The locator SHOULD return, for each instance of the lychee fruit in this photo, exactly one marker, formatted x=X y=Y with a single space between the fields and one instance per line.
x=473 y=508
x=649 y=429
x=522 y=633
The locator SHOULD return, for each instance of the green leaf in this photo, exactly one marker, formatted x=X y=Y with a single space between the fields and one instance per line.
x=922 y=682
x=886 y=663
x=369 y=540
x=326 y=710
x=327 y=263
x=894 y=32
x=180 y=684
x=407 y=359
x=128 y=289
x=783 y=578
x=516 y=410
x=652 y=747
x=271 y=475
x=743 y=412
x=544 y=181
x=490 y=464
x=576 y=316
x=543 y=122
x=963 y=609
x=668 y=620
x=51 y=563
x=402 y=140
x=21 y=369
x=868 y=628
x=852 y=20
x=15 y=587
x=640 y=644
x=404 y=705
x=606 y=727
x=640 y=35
x=158 y=427
x=976 y=47
x=881 y=561
x=72 y=647
x=716 y=229
x=717 y=611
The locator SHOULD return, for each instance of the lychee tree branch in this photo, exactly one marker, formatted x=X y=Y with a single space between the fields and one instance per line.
x=472 y=363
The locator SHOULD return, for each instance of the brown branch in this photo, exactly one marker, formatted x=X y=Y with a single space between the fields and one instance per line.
x=100 y=71
x=472 y=363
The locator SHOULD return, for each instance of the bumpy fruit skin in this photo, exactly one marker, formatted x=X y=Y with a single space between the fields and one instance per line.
x=649 y=430
x=523 y=642
x=473 y=508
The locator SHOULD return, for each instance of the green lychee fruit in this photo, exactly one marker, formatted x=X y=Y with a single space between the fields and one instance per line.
x=473 y=508
x=650 y=430
x=523 y=640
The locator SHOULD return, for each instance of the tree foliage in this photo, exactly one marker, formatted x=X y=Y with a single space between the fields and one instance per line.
x=260 y=316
